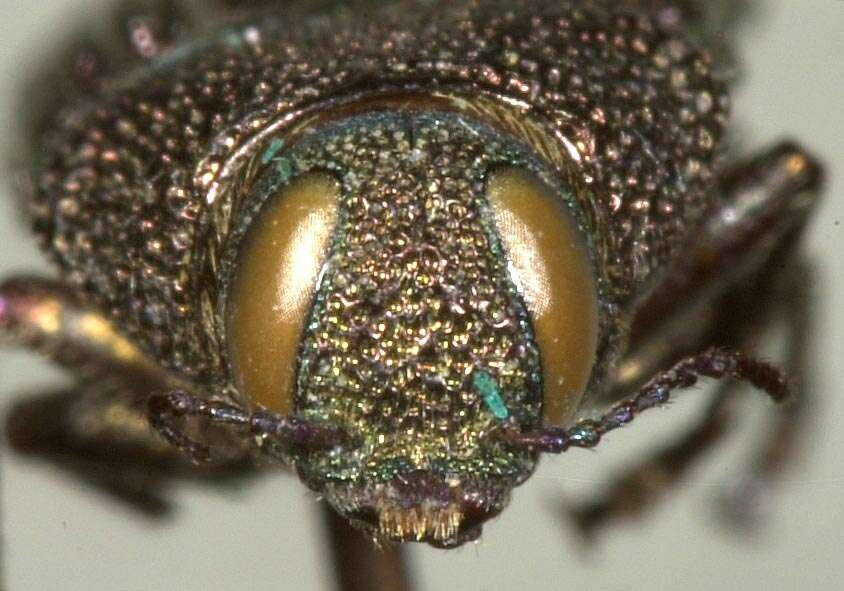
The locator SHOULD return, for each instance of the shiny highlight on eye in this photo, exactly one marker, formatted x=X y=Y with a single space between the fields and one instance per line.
x=549 y=263
x=278 y=266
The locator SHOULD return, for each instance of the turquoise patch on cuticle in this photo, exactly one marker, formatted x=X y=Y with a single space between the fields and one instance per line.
x=284 y=168
x=488 y=388
x=271 y=150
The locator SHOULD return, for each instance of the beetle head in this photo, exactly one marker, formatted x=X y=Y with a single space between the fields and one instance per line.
x=418 y=281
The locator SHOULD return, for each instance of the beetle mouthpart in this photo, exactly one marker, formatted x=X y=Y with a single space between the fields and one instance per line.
x=442 y=525
x=420 y=506
x=439 y=525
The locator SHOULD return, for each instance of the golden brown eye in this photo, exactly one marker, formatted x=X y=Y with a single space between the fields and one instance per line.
x=550 y=264
x=278 y=268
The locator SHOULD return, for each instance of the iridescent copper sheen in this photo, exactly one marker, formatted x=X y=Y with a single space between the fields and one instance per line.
x=638 y=110
x=416 y=297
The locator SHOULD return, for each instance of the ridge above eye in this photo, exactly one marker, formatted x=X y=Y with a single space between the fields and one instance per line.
x=549 y=261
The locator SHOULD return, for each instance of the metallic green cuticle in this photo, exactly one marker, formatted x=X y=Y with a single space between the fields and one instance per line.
x=416 y=297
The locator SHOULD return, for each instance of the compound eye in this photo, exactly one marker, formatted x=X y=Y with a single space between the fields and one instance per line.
x=278 y=267
x=549 y=262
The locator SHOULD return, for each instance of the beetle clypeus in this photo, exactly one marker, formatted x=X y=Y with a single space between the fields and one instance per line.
x=400 y=247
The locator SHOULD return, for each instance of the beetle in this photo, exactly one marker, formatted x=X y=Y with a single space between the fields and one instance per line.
x=400 y=247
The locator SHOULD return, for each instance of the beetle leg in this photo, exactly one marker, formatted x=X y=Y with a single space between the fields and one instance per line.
x=276 y=433
x=101 y=439
x=764 y=205
x=98 y=431
x=766 y=202
x=44 y=315
x=714 y=363
x=641 y=486
x=784 y=436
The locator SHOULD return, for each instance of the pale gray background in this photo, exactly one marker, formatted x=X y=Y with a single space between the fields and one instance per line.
x=58 y=535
